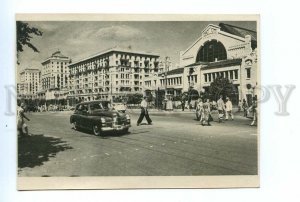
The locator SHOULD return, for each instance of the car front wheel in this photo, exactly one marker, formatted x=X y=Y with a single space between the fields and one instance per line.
x=96 y=130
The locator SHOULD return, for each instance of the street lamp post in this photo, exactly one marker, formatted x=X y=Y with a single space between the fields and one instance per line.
x=167 y=63
x=169 y=104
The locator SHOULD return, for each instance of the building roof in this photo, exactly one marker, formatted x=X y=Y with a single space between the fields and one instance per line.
x=30 y=69
x=238 y=31
x=175 y=71
x=222 y=63
x=116 y=49
x=56 y=55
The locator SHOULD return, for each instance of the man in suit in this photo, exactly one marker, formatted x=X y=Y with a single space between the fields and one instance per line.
x=228 y=105
x=144 y=112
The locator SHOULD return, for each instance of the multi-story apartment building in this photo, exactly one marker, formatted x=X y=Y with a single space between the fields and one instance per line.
x=19 y=88
x=223 y=50
x=55 y=77
x=28 y=86
x=110 y=74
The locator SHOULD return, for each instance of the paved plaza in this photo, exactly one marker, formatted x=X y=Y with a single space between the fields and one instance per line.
x=175 y=145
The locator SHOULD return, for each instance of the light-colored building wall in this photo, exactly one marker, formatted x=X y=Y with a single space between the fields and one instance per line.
x=55 y=77
x=112 y=73
x=29 y=83
x=239 y=65
x=236 y=46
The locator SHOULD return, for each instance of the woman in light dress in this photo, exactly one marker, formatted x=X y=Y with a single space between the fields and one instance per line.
x=205 y=117
x=199 y=109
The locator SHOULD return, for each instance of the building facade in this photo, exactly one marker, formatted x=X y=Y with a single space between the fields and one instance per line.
x=221 y=51
x=170 y=82
x=111 y=74
x=55 y=78
x=29 y=83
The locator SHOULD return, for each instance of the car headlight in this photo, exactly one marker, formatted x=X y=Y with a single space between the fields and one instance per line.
x=103 y=120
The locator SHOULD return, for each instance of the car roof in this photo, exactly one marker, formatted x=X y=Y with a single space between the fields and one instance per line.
x=93 y=102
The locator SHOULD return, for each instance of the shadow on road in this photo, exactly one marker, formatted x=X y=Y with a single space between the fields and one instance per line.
x=106 y=135
x=37 y=149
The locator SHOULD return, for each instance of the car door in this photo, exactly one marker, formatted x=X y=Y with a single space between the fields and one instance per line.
x=77 y=115
x=84 y=116
x=89 y=117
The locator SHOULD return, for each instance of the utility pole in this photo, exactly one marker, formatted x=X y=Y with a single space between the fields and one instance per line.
x=167 y=65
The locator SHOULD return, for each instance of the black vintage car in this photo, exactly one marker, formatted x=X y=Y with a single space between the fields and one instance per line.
x=99 y=117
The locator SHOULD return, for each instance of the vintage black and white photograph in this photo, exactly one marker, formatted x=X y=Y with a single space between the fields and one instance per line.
x=132 y=97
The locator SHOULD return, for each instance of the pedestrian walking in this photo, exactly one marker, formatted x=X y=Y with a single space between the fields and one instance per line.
x=144 y=112
x=199 y=109
x=221 y=108
x=22 y=128
x=228 y=106
x=253 y=108
x=240 y=105
x=245 y=108
x=206 y=116
x=182 y=104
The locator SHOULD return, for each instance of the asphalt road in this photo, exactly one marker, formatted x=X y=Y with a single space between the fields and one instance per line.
x=175 y=145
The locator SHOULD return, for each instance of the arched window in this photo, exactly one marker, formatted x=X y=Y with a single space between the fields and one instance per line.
x=211 y=51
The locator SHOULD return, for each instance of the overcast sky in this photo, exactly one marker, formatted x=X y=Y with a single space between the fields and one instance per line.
x=81 y=39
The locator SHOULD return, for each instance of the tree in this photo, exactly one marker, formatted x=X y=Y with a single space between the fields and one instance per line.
x=220 y=86
x=192 y=94
x=159 y=97
x=24 y=35
x=135 y=98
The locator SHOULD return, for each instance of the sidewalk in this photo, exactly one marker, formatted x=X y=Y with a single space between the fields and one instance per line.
x=163 y=111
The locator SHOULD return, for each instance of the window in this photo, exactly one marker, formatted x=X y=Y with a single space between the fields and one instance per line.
x=211 y=51
x=205 y=77
x=236 y=76
x=248 y=70
x=231 y=74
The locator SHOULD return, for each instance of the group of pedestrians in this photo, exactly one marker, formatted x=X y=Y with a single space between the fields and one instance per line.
x=224 y=109
x=203 y=110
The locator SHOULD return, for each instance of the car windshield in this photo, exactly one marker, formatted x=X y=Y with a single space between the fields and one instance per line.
x=101 y=105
